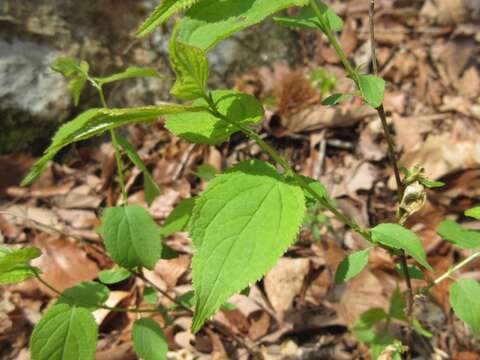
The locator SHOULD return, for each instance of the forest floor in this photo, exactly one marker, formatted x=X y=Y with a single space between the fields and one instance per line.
x=428 y=53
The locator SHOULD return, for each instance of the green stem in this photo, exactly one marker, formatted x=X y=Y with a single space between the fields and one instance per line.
x=454 y=269
x=289 y=170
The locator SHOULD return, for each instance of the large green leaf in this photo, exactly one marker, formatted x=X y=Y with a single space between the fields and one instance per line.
x=351 y=266
x=64 y=333
x=151 y=188
x=94 y=122
x=372 y=89
x=465 y=300
x=244 y=221
x=205 y=128
x=455 y=234
x=190 y=65
x=210 y=21
x=131 y=236
x=397 y=237
x=178 y=219
x=163 y=11
x=149 y=341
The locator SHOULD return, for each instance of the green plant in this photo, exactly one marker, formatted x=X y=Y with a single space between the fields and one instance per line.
x=247 y=217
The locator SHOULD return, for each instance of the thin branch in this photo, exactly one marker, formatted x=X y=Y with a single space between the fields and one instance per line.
x=454 y=269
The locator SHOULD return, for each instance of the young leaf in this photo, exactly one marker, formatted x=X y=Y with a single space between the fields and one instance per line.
x=473 y=212
x=206 y=172
x=306 y=19
x=430 y=184
x=413 y=271
x=11 y=258
x=178 y=219
x=397 y=306
x=210 y=21
x=151 y=188
x=191 y=67
x=150 y=295
x=397 y=237
x=131 y=236
x=351 y=266
x=64 y=332
x=78 y=74
x=330 y=18
x=89 y=294
x=363 y=327
x=129 y=73
x=17 y=274
x=372 y=89
x=94 y=122
x=335 y=99
x=163 y=11
x=465 y=300
x=319 y=188
x=244 y=221
x=205 y=128
x=113 y=276
x=149 y=341
x=457 y=235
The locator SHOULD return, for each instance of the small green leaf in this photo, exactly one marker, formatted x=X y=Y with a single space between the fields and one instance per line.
x=372 y=89
x=397 y=305
x=413 y=271
x=149 y=341
x=17 y=274
x=129 y=73
x=465 y=300
x=473 y=213
x=190 y=64
x=64 y=332
x=420 y=329
x=205 y=128
x=187 y=299
x=77 y=73
x=11 y=257
x=363 y=326
x=210 y=21
x=306 y=19
x=95 y=122
x=242 y=223
x=150 y=295
x=166 y=9
x=151 y=188
x=351 y=266
x=178 y=219
x=452 y=232
x=228 y=307
x=332 y=20
x=89 y=294
x=113 y=276
x=336 y=99
x=397 y=237
x=206 y=172
x=131 y=236
x=318 y=188
x=430 y=184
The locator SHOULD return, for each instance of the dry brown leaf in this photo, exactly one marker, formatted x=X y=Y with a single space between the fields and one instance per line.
x=80 y=197
x=63 y=264
x=284 y=282
x=114 y=298
x=259 y=325
x=171 y=270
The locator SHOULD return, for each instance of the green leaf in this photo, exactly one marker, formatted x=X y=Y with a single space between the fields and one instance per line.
x=431 y=184
x=465 y=300
x=397 y=305
x=129 y=73
x=190 y=65
x=351 y=266
x=397 y=237
x=178 y=219
x=77 y=73
x=413 y=271
x=151 y=188
x=149 y=341
x=363 y=326
x=150 y=295
x=64 y=332
x=206 y=172
x=187 y=299
x=166 y=9
x=89 y=294
x=113 y=276
x=335 y=99
x=205 y=128
x=131 y=236
x=94 y=122
x=210 y=21
x=306 y=19
x=452 y=232
x=473 y=212
x=372 y=88
x=17 y=274
x=332 y=20
x=420 y=329
x=243 y=222
x=11 y=257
